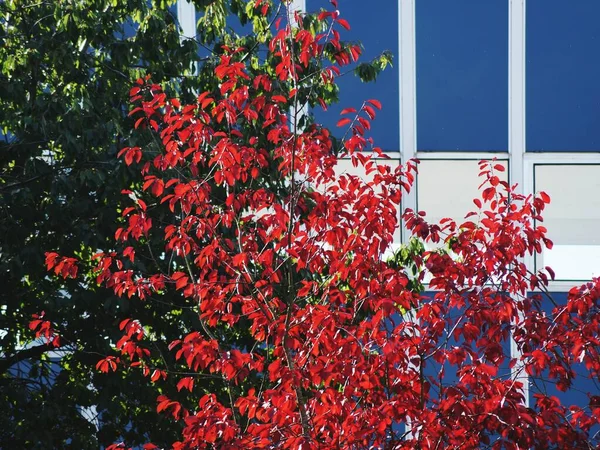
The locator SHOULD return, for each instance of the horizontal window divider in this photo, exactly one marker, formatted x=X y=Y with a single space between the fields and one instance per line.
x=461 y=155
x=562 y=157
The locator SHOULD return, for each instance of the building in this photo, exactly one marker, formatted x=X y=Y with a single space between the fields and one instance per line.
x=515 y=80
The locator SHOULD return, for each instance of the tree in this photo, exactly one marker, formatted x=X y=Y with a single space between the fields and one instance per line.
x=303 y=335
x=66 y=68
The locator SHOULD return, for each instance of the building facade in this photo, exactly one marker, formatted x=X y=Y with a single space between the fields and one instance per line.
x=514 y=80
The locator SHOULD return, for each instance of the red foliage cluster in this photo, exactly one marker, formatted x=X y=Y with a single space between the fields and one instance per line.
x=43 y=330
x=344 y=344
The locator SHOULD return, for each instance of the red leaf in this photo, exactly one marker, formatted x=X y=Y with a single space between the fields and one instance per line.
x=187 y=383
x=279 y=99
x=51 y=258
x=123 y=324
x=344 y=121
x=344 y=23
x=370 y=111
x=364 y=122
x=181 y=280
x=545 y=197
x=107 y=364
x=375 y=103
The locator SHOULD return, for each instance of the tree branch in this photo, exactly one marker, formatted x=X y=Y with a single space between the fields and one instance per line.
x=28 y=353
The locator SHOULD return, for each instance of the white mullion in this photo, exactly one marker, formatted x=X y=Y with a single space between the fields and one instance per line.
x=520 y=172
x=562 y=158
x=297 y=112
x=516 y=135
x=408 y=97
x=186 y=16
x=408 y=122
x=516 y=91
x=461 y=155
x=298 y=5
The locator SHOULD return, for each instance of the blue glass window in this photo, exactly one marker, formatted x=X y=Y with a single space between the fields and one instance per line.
x=582 y=384
x=462 y=75
x=375 y=25
x=563 y=92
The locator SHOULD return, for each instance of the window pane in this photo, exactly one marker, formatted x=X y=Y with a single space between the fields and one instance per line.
x=462 y=75
x=572 y=219
x=344 y=166
x=446 y=188
x=544 y=384
x=377 y=32
x=563 y=93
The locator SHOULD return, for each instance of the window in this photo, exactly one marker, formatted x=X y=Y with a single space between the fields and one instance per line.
x=344 y=166
x=572 y=219
x=563 y=93
x=462 y=75
x=446 y=188
x=375 y=25
x=545 y=385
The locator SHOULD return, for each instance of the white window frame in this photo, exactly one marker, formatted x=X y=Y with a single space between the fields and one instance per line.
x=532 y=159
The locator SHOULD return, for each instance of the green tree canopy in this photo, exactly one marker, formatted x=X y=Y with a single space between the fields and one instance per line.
x=66 y=69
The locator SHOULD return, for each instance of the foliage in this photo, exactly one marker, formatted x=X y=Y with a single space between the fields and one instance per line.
x=303 y=335
x=65 y=70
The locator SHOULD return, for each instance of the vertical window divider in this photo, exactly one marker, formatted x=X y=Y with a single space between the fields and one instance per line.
x=298 y=5
x=516 y=92
x=516 y=136
x=186 y=16
x=297 y=112
x=407 y=90
x=407 y=72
